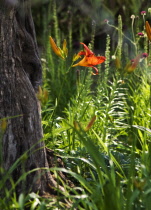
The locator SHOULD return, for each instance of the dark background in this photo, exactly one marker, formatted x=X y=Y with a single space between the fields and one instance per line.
x=86 y=16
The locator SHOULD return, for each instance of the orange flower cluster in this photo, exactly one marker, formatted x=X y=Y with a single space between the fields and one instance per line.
x=57 y=50
x=89 y=59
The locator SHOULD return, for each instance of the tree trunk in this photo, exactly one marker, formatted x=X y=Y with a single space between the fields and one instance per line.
x=20 y=76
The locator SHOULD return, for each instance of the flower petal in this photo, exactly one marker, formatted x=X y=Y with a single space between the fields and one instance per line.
x=83 y=62
x=82 y=53
x=148 y=30
x=95 y=60
x=88 y=51
x=56 y=49
x=96 y=71
x=76 y=57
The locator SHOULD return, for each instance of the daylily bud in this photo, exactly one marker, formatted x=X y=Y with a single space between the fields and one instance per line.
x=64 y=48
x=55 y=48
x=42 y=95
x=148 y=30
x=76 y=57
x=76 y=125
x=90 y=123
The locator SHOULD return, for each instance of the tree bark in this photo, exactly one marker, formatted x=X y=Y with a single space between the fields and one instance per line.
x=20 y=76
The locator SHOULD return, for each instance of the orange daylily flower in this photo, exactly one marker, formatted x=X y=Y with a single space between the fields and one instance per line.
x=57 y=50
x=148 y=30
x=90 y=59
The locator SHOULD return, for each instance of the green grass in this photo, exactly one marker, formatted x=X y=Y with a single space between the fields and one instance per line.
x=109 y=163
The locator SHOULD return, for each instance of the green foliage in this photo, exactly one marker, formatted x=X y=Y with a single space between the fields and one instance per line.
x=110 y=162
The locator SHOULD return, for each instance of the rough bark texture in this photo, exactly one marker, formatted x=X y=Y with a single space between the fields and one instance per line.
x=20 y=76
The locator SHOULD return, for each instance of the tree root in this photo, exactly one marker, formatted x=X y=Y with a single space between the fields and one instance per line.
x=56 y=161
